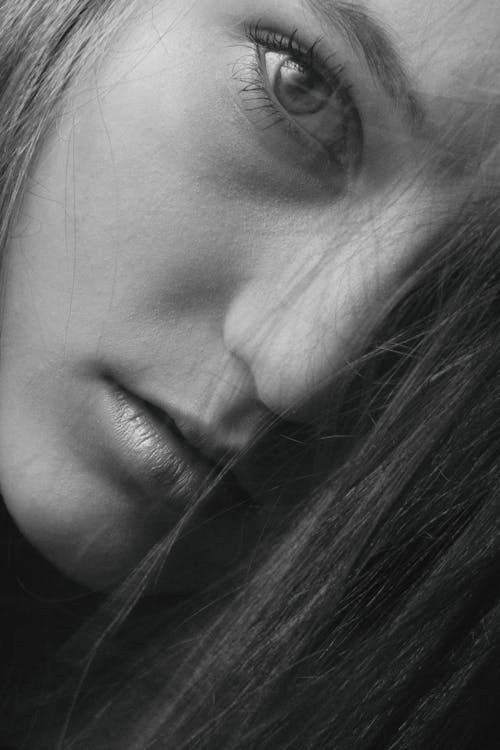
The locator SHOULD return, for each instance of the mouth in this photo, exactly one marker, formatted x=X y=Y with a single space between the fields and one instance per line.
x=156 y=455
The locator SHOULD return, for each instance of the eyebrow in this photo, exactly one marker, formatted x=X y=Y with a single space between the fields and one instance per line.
x=367 y=35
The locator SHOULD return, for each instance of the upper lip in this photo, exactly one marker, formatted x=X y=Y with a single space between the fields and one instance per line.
x=272 y=469
x=267 y=447
x=208 y=441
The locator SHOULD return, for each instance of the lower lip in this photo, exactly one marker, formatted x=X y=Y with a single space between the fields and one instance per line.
x=151 y=454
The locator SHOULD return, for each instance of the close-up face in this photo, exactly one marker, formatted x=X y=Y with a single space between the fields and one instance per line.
x=214 y=222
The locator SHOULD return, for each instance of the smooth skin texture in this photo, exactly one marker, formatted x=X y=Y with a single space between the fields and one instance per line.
x=170 y=237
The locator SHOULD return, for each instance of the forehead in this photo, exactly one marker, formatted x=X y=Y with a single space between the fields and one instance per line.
x=445 y=43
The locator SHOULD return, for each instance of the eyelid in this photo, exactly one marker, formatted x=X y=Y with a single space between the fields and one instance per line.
x=311 y=54
x=326 y=159
x=266 y=39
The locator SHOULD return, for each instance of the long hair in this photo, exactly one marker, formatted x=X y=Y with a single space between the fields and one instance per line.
x=45 y=47
x=373 y=621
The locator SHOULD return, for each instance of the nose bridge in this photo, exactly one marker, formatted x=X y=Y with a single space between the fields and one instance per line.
x=290 y=334
x=298 y=327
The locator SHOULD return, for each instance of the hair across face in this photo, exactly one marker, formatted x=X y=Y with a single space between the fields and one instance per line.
x=218 y=215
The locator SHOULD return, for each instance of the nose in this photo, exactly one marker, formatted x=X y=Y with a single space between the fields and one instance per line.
x=296 y=337
x=298 y=323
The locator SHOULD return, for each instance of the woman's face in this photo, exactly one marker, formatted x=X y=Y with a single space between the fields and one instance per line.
x=217 y=217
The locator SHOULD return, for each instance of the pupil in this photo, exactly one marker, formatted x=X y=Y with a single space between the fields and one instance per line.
x=300 y=90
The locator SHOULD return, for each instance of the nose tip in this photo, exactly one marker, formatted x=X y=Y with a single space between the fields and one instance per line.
x=291 y=348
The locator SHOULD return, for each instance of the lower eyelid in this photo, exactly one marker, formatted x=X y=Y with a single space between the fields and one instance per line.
x=328 y=165
x=298 y=123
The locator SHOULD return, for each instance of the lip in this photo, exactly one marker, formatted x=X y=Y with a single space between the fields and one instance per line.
x=151 y=451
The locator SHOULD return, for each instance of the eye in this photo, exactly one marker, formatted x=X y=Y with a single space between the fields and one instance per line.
x=309 y=95
x=300 y=90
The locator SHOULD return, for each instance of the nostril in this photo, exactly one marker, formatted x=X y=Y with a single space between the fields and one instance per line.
x=204 y=442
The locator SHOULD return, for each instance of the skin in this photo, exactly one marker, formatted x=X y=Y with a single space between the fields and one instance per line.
x=168 y=237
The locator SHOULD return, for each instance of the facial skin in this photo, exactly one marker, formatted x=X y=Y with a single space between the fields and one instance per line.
x=205 y=260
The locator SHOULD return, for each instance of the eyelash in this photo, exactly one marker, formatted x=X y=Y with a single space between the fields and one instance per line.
x=340 y=157
x=310 y=58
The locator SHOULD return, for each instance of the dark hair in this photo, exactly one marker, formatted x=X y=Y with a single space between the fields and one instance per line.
x=373 y=620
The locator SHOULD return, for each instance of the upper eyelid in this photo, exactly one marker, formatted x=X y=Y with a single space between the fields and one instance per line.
x=311 y=52
x=369 y=39
x=292 y=42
